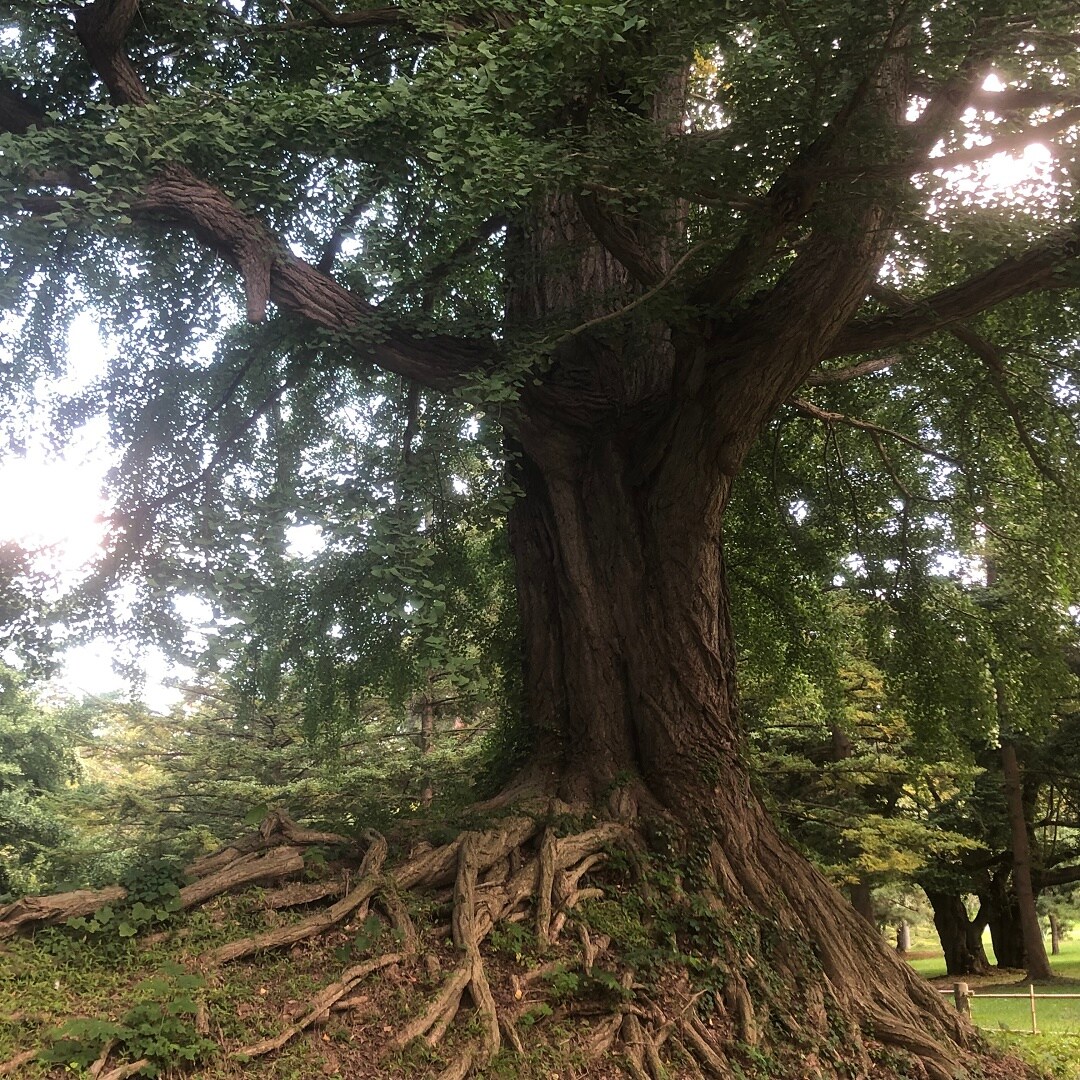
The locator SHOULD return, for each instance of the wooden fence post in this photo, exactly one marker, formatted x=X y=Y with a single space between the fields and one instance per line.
x=1034 y=1026
x=962 y=997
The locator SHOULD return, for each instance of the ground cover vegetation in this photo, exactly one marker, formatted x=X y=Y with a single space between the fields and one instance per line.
x=399 y=274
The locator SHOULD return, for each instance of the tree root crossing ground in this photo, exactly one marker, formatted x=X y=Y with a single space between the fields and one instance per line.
x=543 y=940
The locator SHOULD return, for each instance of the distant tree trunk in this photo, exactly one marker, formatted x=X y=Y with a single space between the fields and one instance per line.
x=1038 y=963
x=976 y=947
x=860 y=892
x=903 y=937
x=424 y=710
x=862 y=900
x=1006 y=934
x=1055 y=935
x=960 y=937
x=427 y=738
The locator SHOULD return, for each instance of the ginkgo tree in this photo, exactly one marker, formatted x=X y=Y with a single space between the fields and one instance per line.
x=628 y=237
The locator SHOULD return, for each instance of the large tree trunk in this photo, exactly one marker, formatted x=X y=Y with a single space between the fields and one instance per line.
x=1038 y=963
x=961 y=938
x=629 y=673
x=629 y=655
x=1003 y=918
x=626 y=449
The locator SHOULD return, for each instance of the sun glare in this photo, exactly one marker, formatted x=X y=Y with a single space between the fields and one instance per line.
x=55 y=503
x=53 y=500
x=1019 y=176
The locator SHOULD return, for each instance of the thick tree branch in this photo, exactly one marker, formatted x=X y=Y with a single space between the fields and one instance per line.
x=1062 y=875
x=1035 y=269
x=177 y=195
x=831 y=376
x=271 y=272
x=268 y=269
x=102 y=27
x=619 y=235
x=1015 y=99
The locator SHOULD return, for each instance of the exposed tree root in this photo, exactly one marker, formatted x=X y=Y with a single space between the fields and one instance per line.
x=931 y=1054
x=299 y=894
x=701 y=1049
x=445 y=1003
x=321 y=1006
x=276 y=851
x=277 y=828
x=122 y=1072
x=14 y=1064
x=522 y=870
x=98 y=1067
x=369 y=881
x=30 y=912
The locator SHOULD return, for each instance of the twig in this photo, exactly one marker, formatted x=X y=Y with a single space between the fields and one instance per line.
x=816 y=413
x=643 y=298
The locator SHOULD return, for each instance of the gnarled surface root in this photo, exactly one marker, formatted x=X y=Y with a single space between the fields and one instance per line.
x=755 y=965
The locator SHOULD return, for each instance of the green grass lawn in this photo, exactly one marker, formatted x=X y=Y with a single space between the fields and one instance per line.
x=1066 y=965
x=1014 y=1014
x=1007 y=1021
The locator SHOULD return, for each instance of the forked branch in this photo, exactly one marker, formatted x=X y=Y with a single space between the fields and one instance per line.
x=815 y=412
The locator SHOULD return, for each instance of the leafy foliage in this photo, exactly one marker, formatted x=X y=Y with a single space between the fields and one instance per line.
x=160 y=1027
x=38 y=762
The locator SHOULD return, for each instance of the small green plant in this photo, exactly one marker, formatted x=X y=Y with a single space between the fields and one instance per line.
x=1055 y=1053
x=513 y=939
x=364 y=940
x=610 y=983
x=160 y=1027
x=534 y=1014
x=563 y=984
x=153 y=897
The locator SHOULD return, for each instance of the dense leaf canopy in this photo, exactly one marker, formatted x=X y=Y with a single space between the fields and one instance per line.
x=150 y=153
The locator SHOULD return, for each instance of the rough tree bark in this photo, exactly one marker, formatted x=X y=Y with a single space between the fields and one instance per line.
x=1037 y=962
x=630 y=679
x=626 y=446
x=961 y=937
